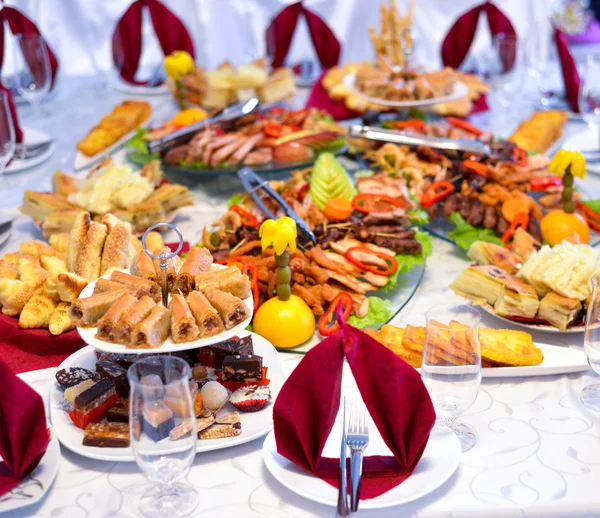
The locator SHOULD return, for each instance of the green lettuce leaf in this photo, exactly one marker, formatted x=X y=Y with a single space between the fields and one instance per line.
x=386 y=124
x=407 y=262
x=464 y=235
x=415 y=113
x=593 y=204
x=418 y=216
x=235 y=199
x=379 y=313
x=137 y=142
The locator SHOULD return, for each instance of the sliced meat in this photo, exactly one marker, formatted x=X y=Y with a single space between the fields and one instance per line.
x=344 y=244
x=475 y=216
x=319 y=256
x=214 y=144
x=450 y=205
x=317 y=273
x=502 y=225
x=465 y=208
x=243 y=150
x=176 y=155
x=223 y=153
x=260 y=156
x=490 y=217
x=383 y=218
x=352 y=283
x=400 y=246
x=309 y=298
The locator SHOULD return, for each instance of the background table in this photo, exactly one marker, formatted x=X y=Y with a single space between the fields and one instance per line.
x=538 y=452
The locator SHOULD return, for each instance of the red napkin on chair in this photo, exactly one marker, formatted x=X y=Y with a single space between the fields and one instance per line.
x=31 y=349
x=319 y=98
x=281 y=31
x=397 y=400
x=13 y=112
x=458 y=41
x=127 y=38
x=569 y=69
x=20 y=24
x=23 y=430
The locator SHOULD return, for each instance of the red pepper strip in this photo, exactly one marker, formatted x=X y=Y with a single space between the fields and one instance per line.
x=248 y=219
x=416 y=124
x=229 y=260
x=367 y=267
x=273 y=130
x=302 y=191
x=277 y=110
x=520 y=156
x=588 y=211
x=464 y=125
x=435 y=192
x=296 y=118
x=476 y=167
x=541 y=184
x=250 y=269
x=594 y=225
x=521 y=220
x=377 y=197
x=328 y=317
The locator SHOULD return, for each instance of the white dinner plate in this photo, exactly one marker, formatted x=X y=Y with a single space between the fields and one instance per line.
x=533 y=327
x=37 y=484
x=119 y=85
x=4 y=237
x=31 y=136
x=587 y=140
x=459 y=90
x=88 y=334
x=254 y=424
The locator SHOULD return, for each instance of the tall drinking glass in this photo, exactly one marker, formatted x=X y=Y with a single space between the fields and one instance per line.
x=7 y=133
x=163 y=433
x=590 y=395
x=33 y=76
x=505 y=69
x=451 y=365
x=589 y=93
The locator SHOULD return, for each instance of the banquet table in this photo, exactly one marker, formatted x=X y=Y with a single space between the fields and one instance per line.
x=538 y=449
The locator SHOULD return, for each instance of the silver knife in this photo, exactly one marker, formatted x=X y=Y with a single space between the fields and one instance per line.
x=342 y=506
x=383 y=135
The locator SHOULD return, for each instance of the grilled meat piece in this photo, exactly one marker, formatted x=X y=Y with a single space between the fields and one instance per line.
x=475 y=216
x=176 y=154
x=259 y=156
x=502 y=225
x=400 y=246
x=465 y=208
x=451 y=204
x=490 y=217
x=332 y=234
x=383 y=218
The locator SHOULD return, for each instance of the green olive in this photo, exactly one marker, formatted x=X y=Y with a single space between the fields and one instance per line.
x=284 y=275
x=567 y=180
x=215 y=239
x=283 y=259
x=567 y=193
x=569 y=207
x=284 y=291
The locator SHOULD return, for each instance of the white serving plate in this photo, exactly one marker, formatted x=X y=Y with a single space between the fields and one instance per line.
x=37 y=484
x=587 y=140
x=88 y=334
x=254 y=424
x=30 y=137
x=439 y=461
x=459 y=90
x=119 y=85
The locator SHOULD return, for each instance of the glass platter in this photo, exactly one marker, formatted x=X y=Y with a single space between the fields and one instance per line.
x=273 y=167
x=407 y=287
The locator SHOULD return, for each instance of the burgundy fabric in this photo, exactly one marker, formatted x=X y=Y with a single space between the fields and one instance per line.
x=20 y=24
x=23 y=430
x=458 y=41
x=569 y=69
x=395 y=396
x=13 y=112
x=31 y=349
x=281 y=31
x=127 y=38
x=319 y=98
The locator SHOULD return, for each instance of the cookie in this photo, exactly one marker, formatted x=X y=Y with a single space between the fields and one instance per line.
x=67 y=378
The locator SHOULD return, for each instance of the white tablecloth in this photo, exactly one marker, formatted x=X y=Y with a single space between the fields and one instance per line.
x=538 y=452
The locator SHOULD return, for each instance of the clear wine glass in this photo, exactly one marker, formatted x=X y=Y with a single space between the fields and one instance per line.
x=33 y=75
x=451 y=365
x=7 y=132
x=589 y=92
x=162 y=404
x=505 y=72
x=590 y=395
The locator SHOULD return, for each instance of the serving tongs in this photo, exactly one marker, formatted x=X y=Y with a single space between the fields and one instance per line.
x=253 y=183
x=235 y=111
x=447 y=144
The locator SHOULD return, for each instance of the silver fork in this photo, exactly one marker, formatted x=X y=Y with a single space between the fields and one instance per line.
x=358 y=440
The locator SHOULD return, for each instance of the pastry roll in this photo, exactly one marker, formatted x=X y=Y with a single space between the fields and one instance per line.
x=238 y=285
x=103 y=285
x=173 y=265
x=116 y=247
x=60 y=322
x=13 y=296
x=69 y=286
x=76 y=238
x=32 y=274
x=206 y=278
x=198 y=260
x=37 y=312
x=207 y=317
x=491 y=254
x=89 y=258
x=131 y=319
x=8 y=270
x=154 y=240
x=151 y=287
x=53 y=265
x=154 y=329
x=143 y=266
x=232 y=310
x=183 y=324
x=136 y=244
x=37 y=248
x=107 y=325
x=86 y=312
x=60 y=241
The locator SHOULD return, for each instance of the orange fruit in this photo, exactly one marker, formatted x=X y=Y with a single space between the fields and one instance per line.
x=559 y=225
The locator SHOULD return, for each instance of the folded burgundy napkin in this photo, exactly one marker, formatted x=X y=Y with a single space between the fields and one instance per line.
x=392 y=391
x=127 y=38
x=319 y=98
x=568 y=68
x=13 y=113
x=458 y=41
x=23 y=430
x=281 y=31
x=20 y=24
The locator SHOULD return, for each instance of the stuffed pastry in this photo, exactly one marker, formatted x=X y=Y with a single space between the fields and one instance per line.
x=491 y=254
x=524 y=244
x=481 y=283
x=232 y=310
x=76 y=238
x=207 y=317
x=154 y=240
x=89 y=258
x=13 y=296
x=69 y=286
x=132 y=318
x=154 y=329
x=86 y=312
x=107 y=325
x=559 y=311
x=236 y=284
x=143 y=266
x=103 y=285
x=116 y=248
x=183 y=324
x=60 y=322
x=137 y=282
x=198 y=260
x=206 y=278
x=517 y=299
x=37 y=312
x=173 y=265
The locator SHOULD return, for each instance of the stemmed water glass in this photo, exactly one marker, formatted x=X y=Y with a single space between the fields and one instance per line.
x=590 y=395
x=589 y=92
x=161 y=405
x=7 y=132
x=33 y=76
x=451 y=366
